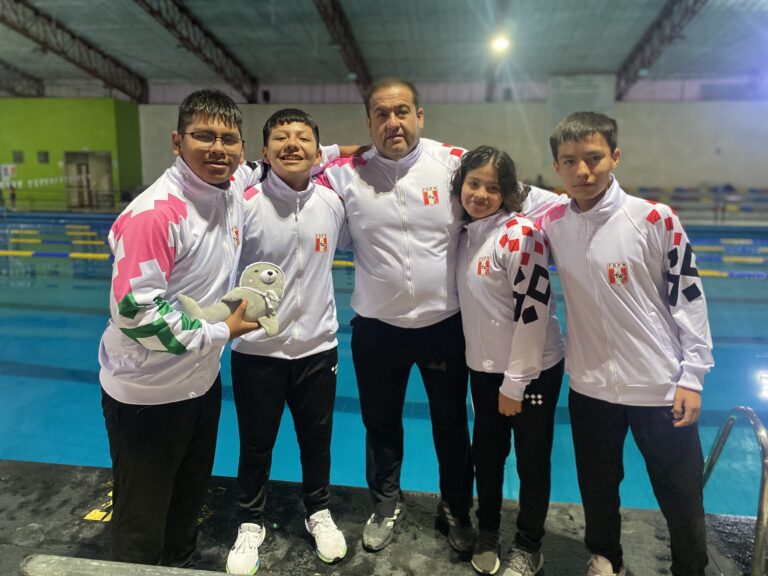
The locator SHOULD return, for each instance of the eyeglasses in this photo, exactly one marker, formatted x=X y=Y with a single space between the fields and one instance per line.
x=209 y=138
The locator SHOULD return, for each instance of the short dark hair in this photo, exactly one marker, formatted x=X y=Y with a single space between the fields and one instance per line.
x=580 y=126
x=512 y=192
x=389 y=82
x=211 y=104
x=286 y=116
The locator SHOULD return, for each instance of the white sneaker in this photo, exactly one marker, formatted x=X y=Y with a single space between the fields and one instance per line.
x=601 y=566
x=243 y=558
x=330 y=545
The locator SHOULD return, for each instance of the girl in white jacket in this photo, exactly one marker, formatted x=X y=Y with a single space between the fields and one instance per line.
x=514 y=352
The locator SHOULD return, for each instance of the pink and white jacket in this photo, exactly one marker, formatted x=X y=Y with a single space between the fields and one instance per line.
x=181 y=235
x=636 y=316
x=507 y=309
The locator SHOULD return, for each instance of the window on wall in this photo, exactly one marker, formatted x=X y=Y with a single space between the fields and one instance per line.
x=18 y=157
x=42 y=156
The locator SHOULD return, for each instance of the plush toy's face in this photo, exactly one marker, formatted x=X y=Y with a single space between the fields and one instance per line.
x=263 y=275
x=268 y=276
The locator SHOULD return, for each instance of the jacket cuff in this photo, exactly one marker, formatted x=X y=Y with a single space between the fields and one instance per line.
x=514 y=389
x=329 y=154
x=219 y=334
x=691 y=381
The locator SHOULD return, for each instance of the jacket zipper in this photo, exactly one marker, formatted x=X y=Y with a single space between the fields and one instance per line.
x=300 y=275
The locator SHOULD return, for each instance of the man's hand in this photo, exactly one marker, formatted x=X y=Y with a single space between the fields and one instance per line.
x=237 y=325
x=509 y=407
x=686 y=407
x=347 y=151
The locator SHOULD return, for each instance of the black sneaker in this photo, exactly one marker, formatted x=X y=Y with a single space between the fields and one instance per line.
x=461 y=534
x=378 y=531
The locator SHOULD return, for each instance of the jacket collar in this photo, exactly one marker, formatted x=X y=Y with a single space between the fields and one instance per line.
x=193 y=186
x=489 y=222
x=611 y=201
x=404 y=163
x=274 y=187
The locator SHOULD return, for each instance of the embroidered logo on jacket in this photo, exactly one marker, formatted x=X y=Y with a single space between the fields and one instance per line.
x=321 y=242
x=430 y=195
x=483 y=265
x=236 y=235
x=617 y=273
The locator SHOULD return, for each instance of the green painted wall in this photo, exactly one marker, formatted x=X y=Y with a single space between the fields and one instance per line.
x=128 y=147
x=59 y=125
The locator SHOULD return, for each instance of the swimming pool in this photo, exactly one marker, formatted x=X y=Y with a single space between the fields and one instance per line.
x=54 y=282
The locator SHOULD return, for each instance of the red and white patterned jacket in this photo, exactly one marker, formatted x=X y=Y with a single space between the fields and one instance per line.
x=636 y=316
x=507 y=309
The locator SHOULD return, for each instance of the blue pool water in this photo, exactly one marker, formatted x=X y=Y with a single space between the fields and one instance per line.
x=53 y=309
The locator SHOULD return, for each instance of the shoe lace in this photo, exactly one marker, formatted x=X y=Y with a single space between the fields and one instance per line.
x=322 y=525
x=521 y=561
x=248 y=541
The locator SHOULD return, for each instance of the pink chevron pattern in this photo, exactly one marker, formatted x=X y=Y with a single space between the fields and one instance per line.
x=141 y=242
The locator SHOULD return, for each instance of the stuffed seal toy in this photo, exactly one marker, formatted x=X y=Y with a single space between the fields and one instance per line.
x=261 y=285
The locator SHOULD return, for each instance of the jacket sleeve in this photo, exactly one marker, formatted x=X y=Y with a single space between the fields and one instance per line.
x=538 y=201
x=685 y=294
x=522 y=252
x=145 y=246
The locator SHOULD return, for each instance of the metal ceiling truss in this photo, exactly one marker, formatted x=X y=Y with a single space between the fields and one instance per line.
x=53 y=36
x=665 y=29
x=19 y=83
x=188 y=30
x=341 y=32
x=494 y=67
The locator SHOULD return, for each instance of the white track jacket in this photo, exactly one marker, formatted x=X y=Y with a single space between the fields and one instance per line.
x=636 y=316
x=507 y=310
x=181 y=235
x=298 y=231
x=404 y=227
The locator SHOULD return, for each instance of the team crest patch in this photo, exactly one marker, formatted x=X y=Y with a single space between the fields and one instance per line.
x=483 y=265
x=617 y=273
x=430 y=195
x=236 y=236
x=321 y=242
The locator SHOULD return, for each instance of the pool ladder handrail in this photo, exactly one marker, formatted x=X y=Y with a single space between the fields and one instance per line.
x=761 y=435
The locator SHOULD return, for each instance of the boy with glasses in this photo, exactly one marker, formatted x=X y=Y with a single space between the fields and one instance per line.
x=161 y=389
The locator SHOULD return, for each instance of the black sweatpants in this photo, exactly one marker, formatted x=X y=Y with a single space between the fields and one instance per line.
x=383 y=356
x=162 y=458
x=262 y=387
x=533 y=433
x=675 y=466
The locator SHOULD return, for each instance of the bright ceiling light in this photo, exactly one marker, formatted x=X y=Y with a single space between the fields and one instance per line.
x=500 y=43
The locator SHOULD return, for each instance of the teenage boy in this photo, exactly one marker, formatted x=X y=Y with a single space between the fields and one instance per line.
x=638 y=344
x=294 y=223
x=161 y=390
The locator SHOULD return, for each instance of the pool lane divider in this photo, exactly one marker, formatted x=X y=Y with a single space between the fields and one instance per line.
x=751 y=275
x=70 y=255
